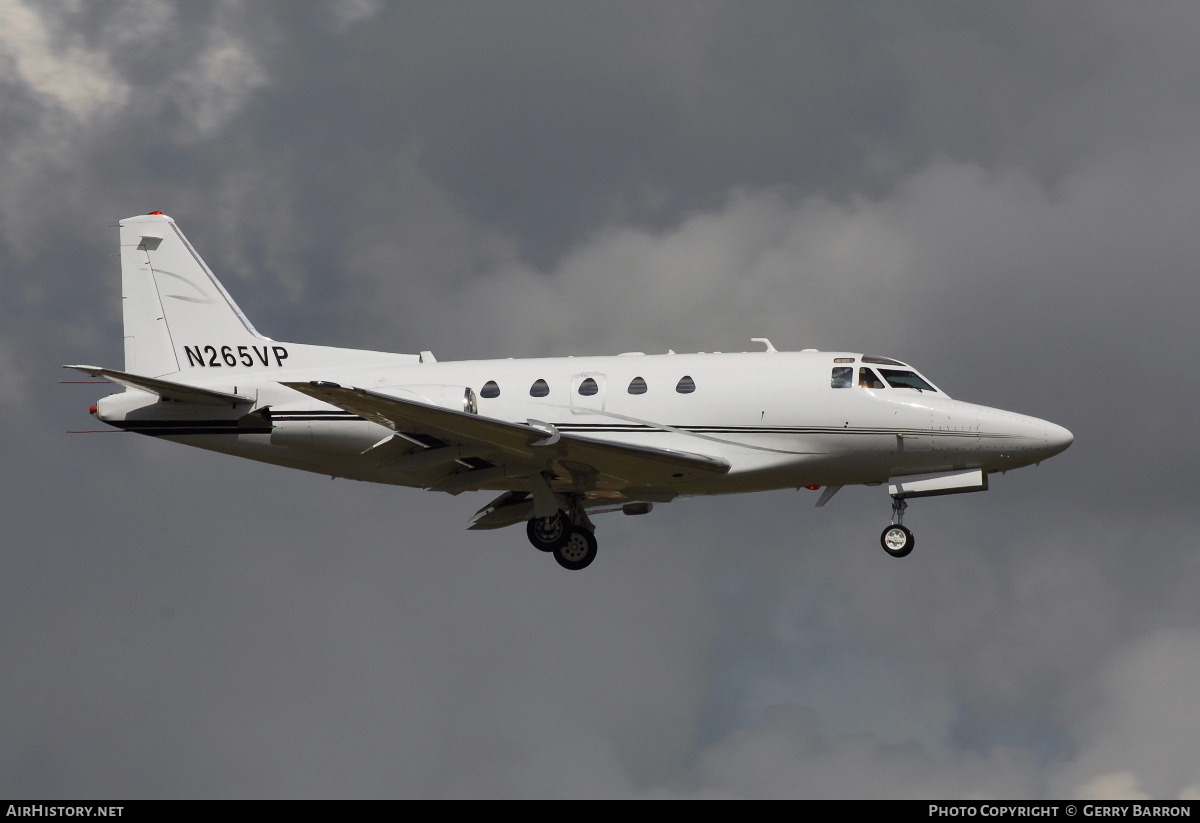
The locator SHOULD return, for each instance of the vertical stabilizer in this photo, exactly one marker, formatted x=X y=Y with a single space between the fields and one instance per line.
x=170 y=299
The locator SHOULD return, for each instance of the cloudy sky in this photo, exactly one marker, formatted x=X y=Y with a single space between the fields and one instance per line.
x=1005 y=195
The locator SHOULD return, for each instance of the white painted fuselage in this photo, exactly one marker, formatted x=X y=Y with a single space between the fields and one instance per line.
x=774 y=416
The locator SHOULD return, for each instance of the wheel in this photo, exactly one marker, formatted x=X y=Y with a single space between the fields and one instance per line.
x=547 y=533
x=897 y=541
x=578 y=550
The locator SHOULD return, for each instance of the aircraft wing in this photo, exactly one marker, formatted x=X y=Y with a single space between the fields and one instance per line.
x=523 y=448
x=165 y=388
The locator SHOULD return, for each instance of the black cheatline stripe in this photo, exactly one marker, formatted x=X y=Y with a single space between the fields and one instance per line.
x=306 y=418
x=153 y=424
x=605 y=426
x=175 y=427
x=759 y=430
x=873 y=432
x=600 y=428
x=324 y=414
x=182 y=430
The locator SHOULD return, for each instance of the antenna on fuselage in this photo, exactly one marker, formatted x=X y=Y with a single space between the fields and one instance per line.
x=765 y=342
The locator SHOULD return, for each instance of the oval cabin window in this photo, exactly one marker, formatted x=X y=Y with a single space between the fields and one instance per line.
x=490 y=389
x=686 y=385
x=539 y=388
x=637 y=386
x=588 y=387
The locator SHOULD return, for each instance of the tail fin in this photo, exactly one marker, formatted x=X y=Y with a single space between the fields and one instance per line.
x=179 y=320
x=171 y=302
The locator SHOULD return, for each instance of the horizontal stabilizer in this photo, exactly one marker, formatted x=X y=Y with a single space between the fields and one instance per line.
x=165 y=388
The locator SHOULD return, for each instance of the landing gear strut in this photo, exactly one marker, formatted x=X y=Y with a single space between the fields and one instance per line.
x=897 y=540
x=568 y=535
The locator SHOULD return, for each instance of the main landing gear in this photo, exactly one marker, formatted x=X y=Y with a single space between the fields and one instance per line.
x=897 y=540
x=567 y=534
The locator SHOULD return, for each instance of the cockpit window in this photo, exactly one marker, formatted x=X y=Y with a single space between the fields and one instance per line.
x=881 y=361
x=868 y=379
x=842 y=378
x=905 y=380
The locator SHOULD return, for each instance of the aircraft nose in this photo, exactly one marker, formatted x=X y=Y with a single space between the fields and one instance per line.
x=1042 y=439
x=1020 y=440
x=1058 y=438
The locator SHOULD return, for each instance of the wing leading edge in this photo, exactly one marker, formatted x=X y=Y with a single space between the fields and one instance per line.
x=522 y=449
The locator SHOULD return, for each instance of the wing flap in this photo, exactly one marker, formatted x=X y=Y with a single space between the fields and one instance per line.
x=165 y=389
x=511 y=508
x=520 y=443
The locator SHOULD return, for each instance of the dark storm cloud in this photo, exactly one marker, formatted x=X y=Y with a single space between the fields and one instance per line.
x=1004 y=196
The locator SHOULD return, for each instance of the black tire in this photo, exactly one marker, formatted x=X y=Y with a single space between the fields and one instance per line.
x=578 y=550
x=548 y=533
x=901 y=541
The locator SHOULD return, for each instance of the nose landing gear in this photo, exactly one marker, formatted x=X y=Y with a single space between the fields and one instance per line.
x=896 y=539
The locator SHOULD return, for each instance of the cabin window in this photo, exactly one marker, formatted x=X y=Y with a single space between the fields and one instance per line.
x=686 y=385
x=588 y=387
x=868 y=379
x=490 y=389
x=905 y=380
x=539 y=388
x=637 y=386
x=842 y=378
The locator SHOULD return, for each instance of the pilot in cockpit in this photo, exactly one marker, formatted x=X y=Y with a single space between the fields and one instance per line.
x=868 y=380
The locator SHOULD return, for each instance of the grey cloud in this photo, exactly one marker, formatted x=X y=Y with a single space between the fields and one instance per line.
x=1142 y=734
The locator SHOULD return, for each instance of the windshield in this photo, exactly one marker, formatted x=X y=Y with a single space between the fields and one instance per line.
x=902 y=379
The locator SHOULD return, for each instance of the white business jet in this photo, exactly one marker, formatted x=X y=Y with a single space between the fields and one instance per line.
x=562 y=438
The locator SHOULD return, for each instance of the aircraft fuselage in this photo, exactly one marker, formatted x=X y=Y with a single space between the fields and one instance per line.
x=774 y=416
